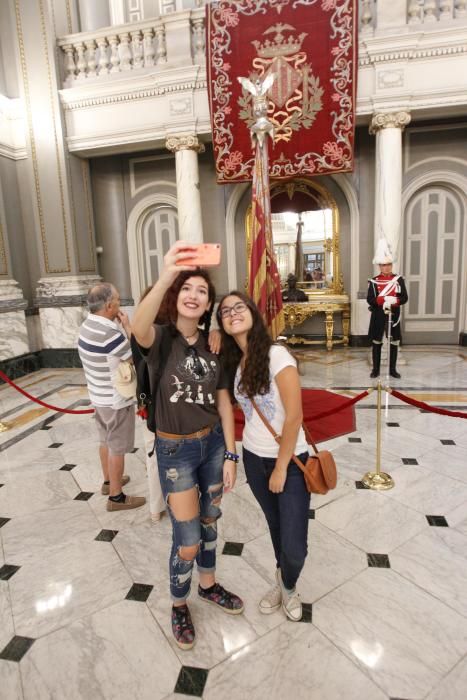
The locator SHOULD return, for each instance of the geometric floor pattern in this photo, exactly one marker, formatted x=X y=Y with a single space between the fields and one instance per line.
x=84 y=605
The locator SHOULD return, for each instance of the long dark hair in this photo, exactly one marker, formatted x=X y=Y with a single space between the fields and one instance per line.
x=168 y=308
x=255 y=375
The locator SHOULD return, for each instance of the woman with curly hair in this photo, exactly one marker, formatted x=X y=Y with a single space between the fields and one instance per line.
x=264 y=373
x=195 y=442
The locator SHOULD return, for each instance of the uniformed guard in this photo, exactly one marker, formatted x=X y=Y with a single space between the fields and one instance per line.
x=386 y=294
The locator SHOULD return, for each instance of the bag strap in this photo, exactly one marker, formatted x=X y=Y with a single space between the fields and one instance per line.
x=277 y=437
x=141 y=361
x=164 y=352
x=140 y=365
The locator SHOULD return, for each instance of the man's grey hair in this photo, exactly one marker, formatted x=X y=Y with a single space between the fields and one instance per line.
x=99 y=295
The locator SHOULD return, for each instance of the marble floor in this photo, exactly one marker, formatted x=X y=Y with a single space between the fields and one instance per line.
x=83 y=592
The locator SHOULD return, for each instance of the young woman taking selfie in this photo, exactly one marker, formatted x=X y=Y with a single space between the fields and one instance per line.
x=265 y=375
x=195 y=443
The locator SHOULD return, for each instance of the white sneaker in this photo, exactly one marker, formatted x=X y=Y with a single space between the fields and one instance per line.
x=272 y=600
x=291 y=603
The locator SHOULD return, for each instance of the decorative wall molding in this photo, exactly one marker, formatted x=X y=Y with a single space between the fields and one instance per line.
x=181 y=107
x=12 y=129
x=55 y=291
x=388 y=48
x=390 y=78
x=127 y=93
x=442 y=102
x=431 y=129
x=431 y=326
x=405 y=55
x=134 y=190
x=11 y=296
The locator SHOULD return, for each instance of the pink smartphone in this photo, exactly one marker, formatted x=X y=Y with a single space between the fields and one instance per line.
x=205 y=255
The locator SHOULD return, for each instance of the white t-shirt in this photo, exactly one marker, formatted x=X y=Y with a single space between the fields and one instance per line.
x=256 y=437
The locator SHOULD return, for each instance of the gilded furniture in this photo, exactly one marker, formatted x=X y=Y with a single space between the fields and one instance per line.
x=296 y=313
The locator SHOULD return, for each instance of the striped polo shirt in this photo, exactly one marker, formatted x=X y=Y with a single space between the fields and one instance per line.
x=101 y=347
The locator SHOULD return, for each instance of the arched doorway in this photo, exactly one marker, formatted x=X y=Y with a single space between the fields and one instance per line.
x=435 y=221
x=152 y=229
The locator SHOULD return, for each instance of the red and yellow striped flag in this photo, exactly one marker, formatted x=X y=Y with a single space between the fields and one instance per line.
x=265 y=284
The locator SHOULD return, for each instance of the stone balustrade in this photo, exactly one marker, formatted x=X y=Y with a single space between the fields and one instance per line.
x=430 y=12
x=367 y=15
x=179 y=38
x=174 y=39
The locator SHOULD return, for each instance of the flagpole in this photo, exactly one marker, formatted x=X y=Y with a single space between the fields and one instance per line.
x=264 y=279
x=388 y=343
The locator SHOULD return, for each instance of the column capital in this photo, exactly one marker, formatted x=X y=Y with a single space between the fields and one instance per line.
x=187 y=142
x=389 y=120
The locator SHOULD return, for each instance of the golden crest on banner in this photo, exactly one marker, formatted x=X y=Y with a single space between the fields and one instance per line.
x=296 y=94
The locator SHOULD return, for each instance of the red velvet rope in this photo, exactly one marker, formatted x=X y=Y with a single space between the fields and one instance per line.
x=346 y=404
x=41 y=403
x=426 y=406
x=3 y=376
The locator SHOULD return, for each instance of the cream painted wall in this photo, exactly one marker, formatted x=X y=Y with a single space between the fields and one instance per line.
x=23 y=254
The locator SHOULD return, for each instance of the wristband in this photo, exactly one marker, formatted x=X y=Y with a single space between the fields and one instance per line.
x=232 y=456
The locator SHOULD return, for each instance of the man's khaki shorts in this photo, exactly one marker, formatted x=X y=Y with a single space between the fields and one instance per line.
x=116 y=428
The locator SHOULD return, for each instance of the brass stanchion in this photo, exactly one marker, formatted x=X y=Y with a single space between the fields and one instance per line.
x=4 y=427
x=378 y=480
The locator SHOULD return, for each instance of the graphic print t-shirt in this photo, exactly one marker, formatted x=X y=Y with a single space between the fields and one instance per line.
x=256 y=437
x=186 y=399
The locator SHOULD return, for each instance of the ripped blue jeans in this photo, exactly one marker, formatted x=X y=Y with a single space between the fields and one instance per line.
x=183 y=464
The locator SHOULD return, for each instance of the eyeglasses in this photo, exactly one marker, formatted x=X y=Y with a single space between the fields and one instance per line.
x=197 y=366
x=236 y=308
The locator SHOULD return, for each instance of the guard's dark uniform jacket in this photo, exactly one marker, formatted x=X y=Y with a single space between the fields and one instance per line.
x=379 y=287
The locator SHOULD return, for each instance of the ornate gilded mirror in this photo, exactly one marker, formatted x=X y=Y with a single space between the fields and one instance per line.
x=305 y=226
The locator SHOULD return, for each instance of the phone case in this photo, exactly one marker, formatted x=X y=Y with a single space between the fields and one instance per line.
x=207 y=255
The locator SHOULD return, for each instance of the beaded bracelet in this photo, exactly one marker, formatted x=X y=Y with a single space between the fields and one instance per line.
x=232 y=456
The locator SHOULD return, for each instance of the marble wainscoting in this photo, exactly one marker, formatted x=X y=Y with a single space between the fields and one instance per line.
x=62 y=308
x=13 y=334
x=60 y=326
x=13 y=330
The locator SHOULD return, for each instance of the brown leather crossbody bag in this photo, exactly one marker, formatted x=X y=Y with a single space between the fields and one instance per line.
x=320 y=470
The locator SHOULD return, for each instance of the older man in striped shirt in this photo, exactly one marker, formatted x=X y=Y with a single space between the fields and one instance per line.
x=102 y=346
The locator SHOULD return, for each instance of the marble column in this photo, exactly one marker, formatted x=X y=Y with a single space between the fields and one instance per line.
x=388 y=128
x=186 y=149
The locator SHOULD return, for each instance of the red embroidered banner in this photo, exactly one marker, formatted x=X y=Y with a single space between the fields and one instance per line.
x=311 y=47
